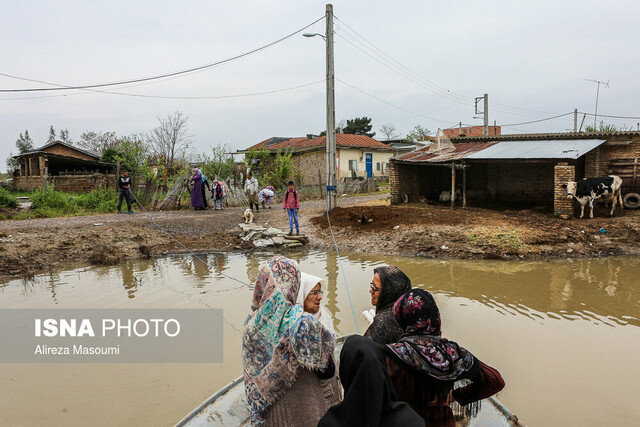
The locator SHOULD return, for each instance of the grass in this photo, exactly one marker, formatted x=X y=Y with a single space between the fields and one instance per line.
x=52 y=204
x=7 y=200
x=502 y=237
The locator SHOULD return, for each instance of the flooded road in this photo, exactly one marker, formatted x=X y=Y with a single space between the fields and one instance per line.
x=564 y=334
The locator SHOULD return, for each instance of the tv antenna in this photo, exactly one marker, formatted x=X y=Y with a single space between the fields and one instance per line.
x=595 y=116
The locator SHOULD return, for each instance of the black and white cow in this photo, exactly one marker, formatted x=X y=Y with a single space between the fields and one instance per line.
x=604 y=189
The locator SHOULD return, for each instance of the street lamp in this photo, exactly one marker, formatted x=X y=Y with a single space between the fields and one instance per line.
x=331 y=111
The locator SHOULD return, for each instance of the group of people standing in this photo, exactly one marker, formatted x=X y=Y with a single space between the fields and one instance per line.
x=400 y=373
x=198 y=184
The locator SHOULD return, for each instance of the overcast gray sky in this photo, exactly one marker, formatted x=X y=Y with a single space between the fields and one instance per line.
x=532 y=59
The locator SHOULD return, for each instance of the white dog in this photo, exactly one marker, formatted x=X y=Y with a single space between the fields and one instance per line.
x=248 y=216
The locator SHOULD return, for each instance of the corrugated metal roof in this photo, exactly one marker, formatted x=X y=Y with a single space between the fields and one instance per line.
x=546 y=136
x=447 y=153
x=538 y=149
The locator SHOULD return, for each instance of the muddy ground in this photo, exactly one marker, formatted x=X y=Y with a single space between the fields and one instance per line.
x=31 y=246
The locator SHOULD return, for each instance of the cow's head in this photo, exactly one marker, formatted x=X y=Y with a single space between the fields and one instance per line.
x=571 y=187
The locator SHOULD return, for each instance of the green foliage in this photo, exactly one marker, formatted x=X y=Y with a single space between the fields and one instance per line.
x=219 y=164
x=282 y=170
x=52 y=135
x=418 y=133
x=274 y=169
x=605 y=127
x=57 y=203
x=132 y=152
x=7 y=200
x=359 y=126
x=24 y=143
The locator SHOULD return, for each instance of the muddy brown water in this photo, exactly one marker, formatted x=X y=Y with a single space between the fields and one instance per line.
x=564 y=334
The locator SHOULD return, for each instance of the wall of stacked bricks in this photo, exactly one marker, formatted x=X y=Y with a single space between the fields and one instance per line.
x=312 y=166
x=562 y=204
x=597 y=161
x=501 y=182
x=65 y=151
x=71 y=183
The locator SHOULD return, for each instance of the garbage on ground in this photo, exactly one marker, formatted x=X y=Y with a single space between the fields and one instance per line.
x=602 y=230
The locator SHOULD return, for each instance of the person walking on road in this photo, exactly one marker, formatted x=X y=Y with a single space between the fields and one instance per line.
x=292 y=205
x=251 y=188
x=124 y=183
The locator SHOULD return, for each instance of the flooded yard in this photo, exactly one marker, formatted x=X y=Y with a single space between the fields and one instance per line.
x=564 y=334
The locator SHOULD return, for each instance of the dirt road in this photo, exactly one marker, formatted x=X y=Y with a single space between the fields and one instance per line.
x=36 y=245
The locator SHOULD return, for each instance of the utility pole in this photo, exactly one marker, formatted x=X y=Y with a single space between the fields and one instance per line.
x=575 y=121
x=331 y=115
x=486 y=114
x=595 y=116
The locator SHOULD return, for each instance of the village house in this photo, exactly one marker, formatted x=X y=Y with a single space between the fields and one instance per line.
x=356 y=155
x=523 y=169
x=64 y=166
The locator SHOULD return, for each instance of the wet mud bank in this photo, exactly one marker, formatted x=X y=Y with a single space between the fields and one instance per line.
x=31 y=246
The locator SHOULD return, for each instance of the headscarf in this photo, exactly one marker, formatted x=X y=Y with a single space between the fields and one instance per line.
x=421 y=348
x=307 y=283
x=278 y=338
x=369 y=397
x=196 y=174
x=394 y=283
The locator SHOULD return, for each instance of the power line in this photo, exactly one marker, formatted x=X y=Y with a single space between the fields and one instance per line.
x=391 y=104
x=613 y=117
x=145 y=79
x=536 y=121
x=439 y=90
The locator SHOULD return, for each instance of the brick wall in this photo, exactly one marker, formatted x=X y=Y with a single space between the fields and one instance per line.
x=66 y=151
x=597 y=161
x=405 y=179
x=562 y=205
x=71 y=183
x=509 y=182
x=312 y=166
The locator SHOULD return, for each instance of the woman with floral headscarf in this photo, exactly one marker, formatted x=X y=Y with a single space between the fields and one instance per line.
x=285 y=352
x=424 y=367
x=388 y=284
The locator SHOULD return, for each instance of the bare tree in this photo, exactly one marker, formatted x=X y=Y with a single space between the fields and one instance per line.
x=170 y=139
x=389 y=131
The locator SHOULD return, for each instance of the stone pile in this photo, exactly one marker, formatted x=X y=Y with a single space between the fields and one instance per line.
x=265 y=236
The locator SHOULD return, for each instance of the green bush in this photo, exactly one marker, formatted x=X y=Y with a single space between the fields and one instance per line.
x=98 y=201
x=7 y=200
x=63 y=203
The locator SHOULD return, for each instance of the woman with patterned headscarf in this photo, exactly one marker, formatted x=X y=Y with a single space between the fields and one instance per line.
x=388 y=284
x=285 y=352
x=424 y=367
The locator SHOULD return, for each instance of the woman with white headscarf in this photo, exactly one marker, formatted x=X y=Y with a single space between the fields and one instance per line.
x=310 y=296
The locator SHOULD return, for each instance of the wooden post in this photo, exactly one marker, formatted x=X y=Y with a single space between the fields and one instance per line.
x=464 y=185
x=453 y=185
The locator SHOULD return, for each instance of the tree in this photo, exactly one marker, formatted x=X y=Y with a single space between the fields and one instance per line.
x=24 y=143
x=132 y=152
x=418 y=134
x=52 y=135
x=220 y=164
x=170 y=139
x=389 y=132
x=64 y=136
x=359 y=126
x=98 y=141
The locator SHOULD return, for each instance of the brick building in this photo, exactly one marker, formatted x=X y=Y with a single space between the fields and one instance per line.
x=357 y=155
x=526 y=169
x=64 y=166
